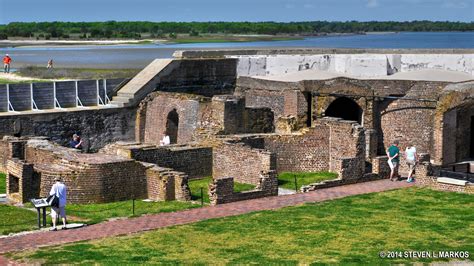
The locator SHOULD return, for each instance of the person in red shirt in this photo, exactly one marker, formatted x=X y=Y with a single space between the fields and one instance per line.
x=6 y=63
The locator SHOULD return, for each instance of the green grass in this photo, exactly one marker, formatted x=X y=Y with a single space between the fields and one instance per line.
x=14 y=219
x=11 y=81
x=3 y=183
x=87 y=213
x=195 y=186
x=75 y=73
x=352 y=230
x=287 y=180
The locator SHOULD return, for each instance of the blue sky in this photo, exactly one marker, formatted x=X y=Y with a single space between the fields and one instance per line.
x=235 y=10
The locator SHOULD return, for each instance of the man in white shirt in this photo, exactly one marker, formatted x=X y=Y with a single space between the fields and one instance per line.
x=411 y=158
x=58 y=189
x=166 y=139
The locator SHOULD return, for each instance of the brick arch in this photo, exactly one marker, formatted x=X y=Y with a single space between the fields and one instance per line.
x=453 y=124
x=345 y=108
x=172 y=125
x=153 y=112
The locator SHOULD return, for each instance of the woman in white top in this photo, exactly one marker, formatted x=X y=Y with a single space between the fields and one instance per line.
x=411 y=158
x=166 y=140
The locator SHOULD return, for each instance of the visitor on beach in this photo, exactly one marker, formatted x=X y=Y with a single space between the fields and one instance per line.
x=50 y=64
x=59 y=190
x=166 y=139
x=393 y=153
x=76 y=142
x=6 y=63
x=412 y=159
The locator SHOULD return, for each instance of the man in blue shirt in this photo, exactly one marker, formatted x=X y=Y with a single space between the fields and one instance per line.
x=393 y=154
x=76 y=142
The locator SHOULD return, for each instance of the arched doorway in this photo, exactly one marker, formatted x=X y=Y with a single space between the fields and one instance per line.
x=346 y=109
x=172 y=123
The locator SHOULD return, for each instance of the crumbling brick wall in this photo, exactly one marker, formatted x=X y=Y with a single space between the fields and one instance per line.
x=164 y=184
x=195 y=161
x=222 y=190
x=21 y=186
x=244 y=163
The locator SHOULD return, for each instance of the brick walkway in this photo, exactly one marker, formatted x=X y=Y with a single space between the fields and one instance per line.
x=150 y=222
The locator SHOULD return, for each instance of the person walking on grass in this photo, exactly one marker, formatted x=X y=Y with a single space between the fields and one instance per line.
x=6 y=63
x=412 y=159
x=393 y=154
x=59 y=190
x=50 y=64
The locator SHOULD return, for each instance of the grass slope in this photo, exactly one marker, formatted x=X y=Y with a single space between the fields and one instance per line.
x=195 y=186
x=3 y=183
x=287 y=180
x=14 y=219
x=75 y=73
x=352 y=230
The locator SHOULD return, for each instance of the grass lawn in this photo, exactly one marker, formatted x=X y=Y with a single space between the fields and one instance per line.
x=86 y=213
x=195 y=186
x=14 y=219
x=352 y=230
x=3 y=183
x=287 y=180
x=95 y=213
x=75 y=73
x=12 y=81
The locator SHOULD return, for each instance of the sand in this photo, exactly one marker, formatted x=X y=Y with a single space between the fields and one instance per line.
x=426 y=75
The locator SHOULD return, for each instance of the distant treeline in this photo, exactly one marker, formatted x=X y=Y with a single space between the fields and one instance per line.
x=114 y=29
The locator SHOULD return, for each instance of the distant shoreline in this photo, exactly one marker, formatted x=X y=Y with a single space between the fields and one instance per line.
x=180 y=40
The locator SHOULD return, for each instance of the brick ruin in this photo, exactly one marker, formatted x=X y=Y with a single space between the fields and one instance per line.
x=245 y=130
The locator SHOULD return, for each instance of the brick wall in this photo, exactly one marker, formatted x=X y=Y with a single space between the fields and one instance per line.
x=164 y=184
x=196 y=162
x=222 y=190
x=21 y=185
x=243 y=163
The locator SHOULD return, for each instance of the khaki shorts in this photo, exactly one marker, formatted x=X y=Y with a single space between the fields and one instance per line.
x=60 y=210
x=411 y=165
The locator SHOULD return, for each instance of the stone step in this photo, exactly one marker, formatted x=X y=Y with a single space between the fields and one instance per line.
x=118 y=104
x=452 y=181
x=121 y=99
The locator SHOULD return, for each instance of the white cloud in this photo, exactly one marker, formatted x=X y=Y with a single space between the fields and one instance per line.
x=372 y=3
x=454 y=4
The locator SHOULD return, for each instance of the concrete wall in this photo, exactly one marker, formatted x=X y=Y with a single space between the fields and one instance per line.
x=358 y=65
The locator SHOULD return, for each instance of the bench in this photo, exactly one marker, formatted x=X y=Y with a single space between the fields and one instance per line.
x=452 y=181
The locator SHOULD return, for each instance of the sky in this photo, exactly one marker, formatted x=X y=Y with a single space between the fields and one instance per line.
x=235 y=10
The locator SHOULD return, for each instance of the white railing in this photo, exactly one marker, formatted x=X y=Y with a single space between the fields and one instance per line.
x=33 y=96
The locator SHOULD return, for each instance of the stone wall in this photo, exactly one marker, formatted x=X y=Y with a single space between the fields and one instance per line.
x=244 y=163
x=97 y=127
x=206 y=77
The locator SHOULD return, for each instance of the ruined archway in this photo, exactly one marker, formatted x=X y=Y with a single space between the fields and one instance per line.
x=172 y=124
x=346 y=109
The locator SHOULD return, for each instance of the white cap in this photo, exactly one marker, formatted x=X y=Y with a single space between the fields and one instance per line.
x=6 y=54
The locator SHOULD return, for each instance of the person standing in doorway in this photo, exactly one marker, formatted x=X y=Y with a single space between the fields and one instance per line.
x=393 y=154
x=412 y=159
x=166 y=139
x=59 y=189
x=6 y=63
